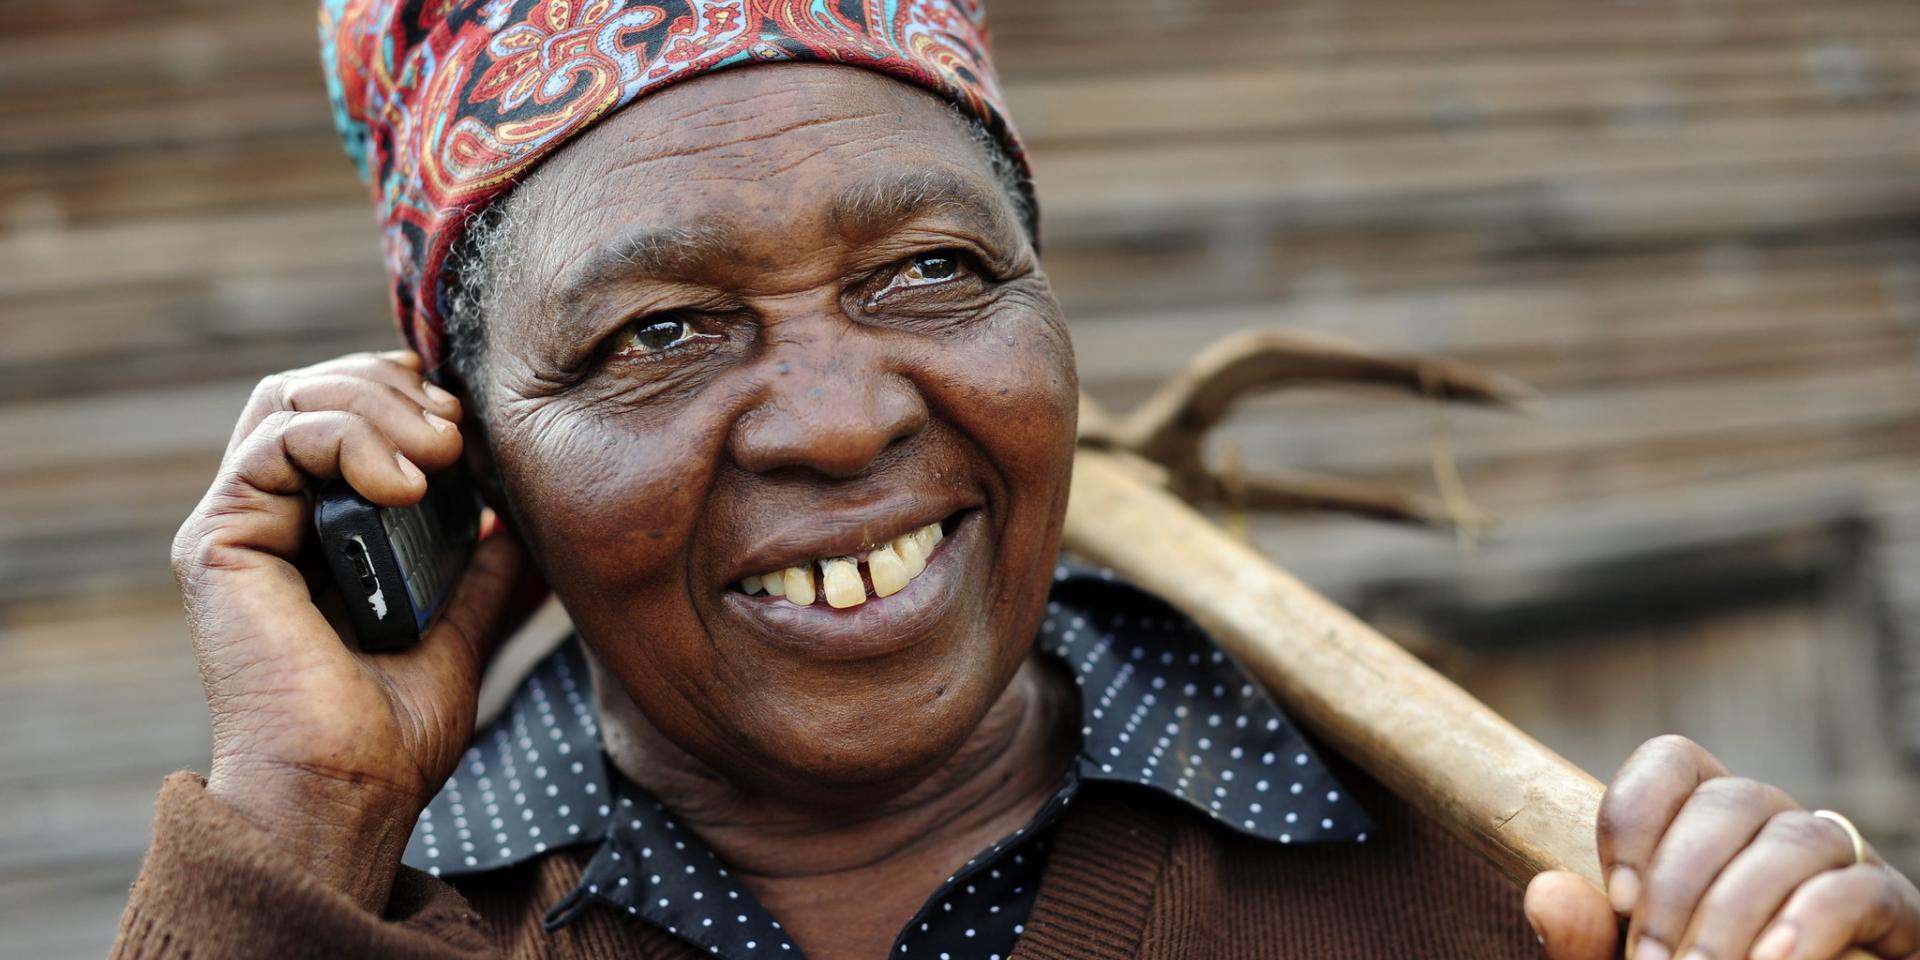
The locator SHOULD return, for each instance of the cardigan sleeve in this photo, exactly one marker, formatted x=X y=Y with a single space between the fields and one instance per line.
x=213 y=887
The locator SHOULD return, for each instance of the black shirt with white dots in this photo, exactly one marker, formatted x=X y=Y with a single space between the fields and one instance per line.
x=1161 y=706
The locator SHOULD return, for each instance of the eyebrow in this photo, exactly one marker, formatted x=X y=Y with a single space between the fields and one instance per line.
x=886 y=202
x=863 y=209
x=645 y=251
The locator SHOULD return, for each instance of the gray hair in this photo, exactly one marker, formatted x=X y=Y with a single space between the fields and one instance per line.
x=476 y=278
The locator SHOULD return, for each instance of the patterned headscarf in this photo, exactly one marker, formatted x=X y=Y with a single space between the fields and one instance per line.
x=445 y=104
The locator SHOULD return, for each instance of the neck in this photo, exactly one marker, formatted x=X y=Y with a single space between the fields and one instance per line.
x=842 y=880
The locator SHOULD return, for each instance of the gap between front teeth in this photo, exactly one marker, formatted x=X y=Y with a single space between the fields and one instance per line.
x=890 y=567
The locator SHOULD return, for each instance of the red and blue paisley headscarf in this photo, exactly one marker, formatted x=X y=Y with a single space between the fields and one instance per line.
x=445 y=104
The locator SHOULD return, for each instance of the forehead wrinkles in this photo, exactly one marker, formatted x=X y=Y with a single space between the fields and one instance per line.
x=685 y=190
x=696 y=163
x=750 y=124
x=890 y=199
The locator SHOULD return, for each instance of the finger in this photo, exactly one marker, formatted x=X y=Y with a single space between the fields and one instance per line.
x=396 y=368
x=256 y=504
x=404 y=357
x=248 y=515
x=401 y=369
x=1640 y=803
x=291 y=447
x=242 y=538
x=1792 y=847
x=1571 y=917
x=1721 y=817
x=1865 y=905
x=279 y=392
x=257 y=508
x=428 y=439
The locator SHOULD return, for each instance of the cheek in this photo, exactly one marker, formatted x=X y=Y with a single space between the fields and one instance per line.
x=608 y=499
x=1011 y=388
x=1016 y=393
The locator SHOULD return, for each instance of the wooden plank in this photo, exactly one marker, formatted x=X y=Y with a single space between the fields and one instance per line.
x=1254 y=269
x=149 y=44
x=1521 y=484
x=1172 y=36
x=1576 y=423
x=1494 y=312
x=246 y=246
x=1296 y=181
x=126 y=323
x=1552 y=541
x=66 y=909
x=53 y=129
x=1601 y=88
x=184 y=177
x=116 y=428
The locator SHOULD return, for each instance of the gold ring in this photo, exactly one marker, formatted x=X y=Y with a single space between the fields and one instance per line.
x=1853 y=833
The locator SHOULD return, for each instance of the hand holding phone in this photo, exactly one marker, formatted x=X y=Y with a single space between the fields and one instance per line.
x=328 y=747
x=395 y=567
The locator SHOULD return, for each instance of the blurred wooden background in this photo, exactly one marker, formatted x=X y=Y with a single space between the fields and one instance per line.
x=1691 y=224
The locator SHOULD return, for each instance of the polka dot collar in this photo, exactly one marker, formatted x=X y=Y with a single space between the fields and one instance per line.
x=1162 y=708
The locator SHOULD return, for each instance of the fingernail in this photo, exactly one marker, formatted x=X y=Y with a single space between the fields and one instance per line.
x=438 y=395
x=1623 y=890
x=406 y=467
x=1696 y=953
x=1650 y=949
x=1776 y=944
x=438 y=422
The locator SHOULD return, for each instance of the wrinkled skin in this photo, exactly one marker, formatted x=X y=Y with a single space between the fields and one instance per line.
x=650 y=484
x=814 y=400
x=823 y=385
x=1704 y=865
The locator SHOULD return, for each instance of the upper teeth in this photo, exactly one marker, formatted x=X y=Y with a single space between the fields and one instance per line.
x=890 y=567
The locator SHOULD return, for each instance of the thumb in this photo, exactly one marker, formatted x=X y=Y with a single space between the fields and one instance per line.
x=1572 y=917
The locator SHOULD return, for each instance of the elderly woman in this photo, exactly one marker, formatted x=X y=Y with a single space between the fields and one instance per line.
x=734 y=312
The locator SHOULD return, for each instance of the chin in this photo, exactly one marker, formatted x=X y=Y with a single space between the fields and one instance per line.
x=870 y=744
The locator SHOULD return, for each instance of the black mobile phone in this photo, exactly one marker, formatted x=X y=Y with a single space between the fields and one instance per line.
x=396 y=566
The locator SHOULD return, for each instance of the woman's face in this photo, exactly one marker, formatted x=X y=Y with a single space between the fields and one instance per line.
x=761 y=319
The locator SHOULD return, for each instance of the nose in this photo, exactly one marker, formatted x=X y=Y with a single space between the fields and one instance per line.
x=834 y=402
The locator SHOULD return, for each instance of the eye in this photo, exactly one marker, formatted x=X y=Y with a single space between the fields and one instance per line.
x=928 y=268
x=651 y=335
x=925 y=270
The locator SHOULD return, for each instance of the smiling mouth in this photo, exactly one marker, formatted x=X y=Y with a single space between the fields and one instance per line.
x=849 y=581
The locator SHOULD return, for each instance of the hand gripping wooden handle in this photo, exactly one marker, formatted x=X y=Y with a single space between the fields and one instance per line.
x=1520 y=804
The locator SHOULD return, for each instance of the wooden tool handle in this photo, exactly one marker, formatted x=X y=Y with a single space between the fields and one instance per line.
x=1520 y=804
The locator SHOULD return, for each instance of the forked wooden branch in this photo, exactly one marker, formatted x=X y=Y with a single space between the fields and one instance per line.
x=1169 y=429
x=1516 y=801
x=1524 y=807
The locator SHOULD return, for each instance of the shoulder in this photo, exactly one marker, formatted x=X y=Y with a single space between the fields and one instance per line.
x=1409 y=889
x=1398 y=889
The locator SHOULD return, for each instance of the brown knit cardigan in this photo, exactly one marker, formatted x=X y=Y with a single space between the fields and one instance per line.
x=1133 y=874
